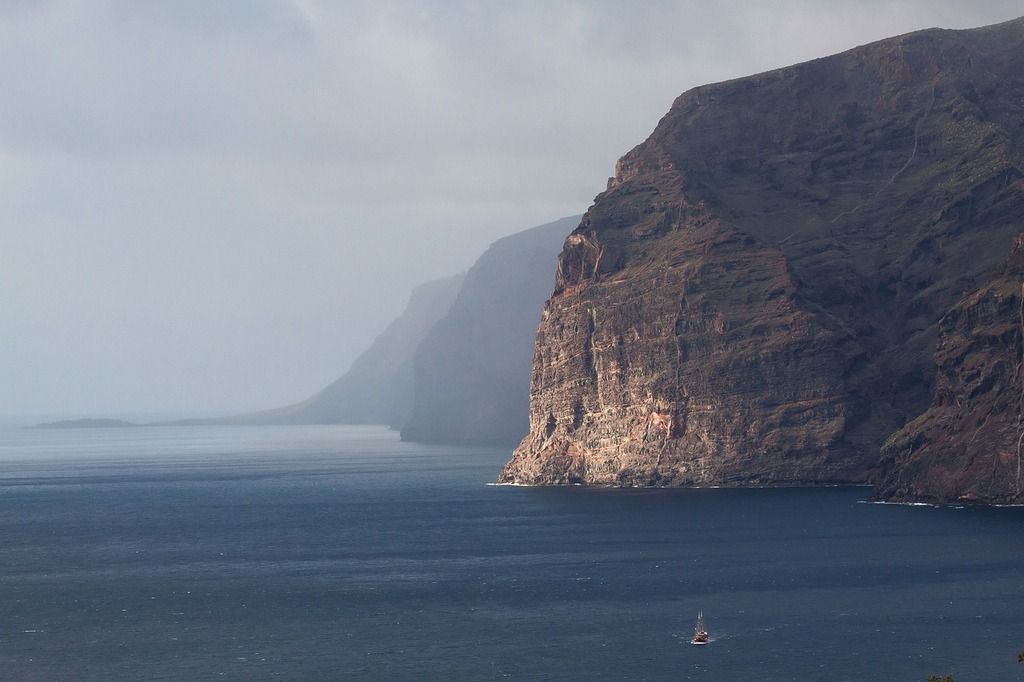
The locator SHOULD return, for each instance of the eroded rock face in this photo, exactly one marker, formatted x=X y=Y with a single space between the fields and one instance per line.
x=967 y=447
x=756 y=297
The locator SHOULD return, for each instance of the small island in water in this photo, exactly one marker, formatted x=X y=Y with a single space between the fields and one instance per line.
x=86 y=423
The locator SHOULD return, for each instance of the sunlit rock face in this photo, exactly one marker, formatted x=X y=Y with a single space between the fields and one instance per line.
x=756 y=298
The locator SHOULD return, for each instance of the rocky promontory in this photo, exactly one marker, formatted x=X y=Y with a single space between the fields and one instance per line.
x=756 y=298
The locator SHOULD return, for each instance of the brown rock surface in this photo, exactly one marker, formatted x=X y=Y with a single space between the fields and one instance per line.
x=967 y=446
x=756 y=297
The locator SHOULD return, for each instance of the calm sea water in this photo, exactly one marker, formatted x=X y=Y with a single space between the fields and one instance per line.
x=340 y=553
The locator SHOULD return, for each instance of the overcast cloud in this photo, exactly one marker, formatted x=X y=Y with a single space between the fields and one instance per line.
x=215 y=206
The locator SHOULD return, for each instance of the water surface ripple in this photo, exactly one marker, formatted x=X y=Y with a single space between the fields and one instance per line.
x=341 y=553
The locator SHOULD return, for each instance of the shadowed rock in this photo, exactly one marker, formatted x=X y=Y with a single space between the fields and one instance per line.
x=967 y=447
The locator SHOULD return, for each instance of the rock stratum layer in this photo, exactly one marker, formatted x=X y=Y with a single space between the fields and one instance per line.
x=756 y=298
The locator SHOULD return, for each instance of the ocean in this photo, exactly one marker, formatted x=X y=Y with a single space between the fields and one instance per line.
x=322 y=553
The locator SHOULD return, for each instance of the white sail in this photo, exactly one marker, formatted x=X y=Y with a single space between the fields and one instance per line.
x=700 y=635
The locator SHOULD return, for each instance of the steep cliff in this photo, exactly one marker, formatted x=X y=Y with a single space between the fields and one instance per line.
x=756 y=297
x=472 y=370
x=377 y=389
x=967 y=446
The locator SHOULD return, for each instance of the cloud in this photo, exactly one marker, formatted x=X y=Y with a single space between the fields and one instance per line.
x=216 y=205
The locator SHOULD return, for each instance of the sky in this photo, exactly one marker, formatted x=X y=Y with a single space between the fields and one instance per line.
x=209 y=207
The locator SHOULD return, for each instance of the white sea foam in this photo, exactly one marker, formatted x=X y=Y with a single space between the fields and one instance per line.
x=918 y=504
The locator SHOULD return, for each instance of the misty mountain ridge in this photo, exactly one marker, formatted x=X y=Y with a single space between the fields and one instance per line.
x=472 y=369
x=377 y=387
x=460 y=349
x=452 y=368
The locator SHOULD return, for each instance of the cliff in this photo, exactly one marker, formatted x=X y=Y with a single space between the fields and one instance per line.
x=967 y=446
x=756 y=298
x=472 y=369
x=377 y=389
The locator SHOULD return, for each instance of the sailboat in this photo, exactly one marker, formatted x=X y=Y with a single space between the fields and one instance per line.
x=700 y=635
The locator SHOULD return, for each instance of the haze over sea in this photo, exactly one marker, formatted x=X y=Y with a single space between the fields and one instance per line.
x=341 y=553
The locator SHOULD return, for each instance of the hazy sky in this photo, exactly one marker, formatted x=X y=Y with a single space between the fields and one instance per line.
x=217 y=205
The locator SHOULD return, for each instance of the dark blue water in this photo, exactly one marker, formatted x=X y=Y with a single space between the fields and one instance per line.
x=340 y=553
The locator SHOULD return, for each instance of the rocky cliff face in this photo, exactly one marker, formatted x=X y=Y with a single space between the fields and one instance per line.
x=756 y=297
x=472 y=370
x=967 y=447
